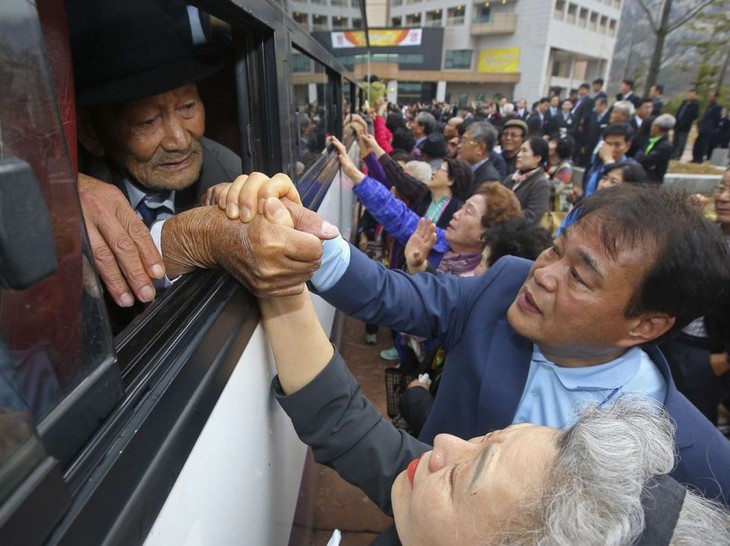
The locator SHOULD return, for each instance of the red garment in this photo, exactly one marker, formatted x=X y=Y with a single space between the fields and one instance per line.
x=383 y=136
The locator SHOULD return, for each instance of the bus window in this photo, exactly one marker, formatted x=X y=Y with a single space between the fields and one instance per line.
x=312 y=99
x=53 y=334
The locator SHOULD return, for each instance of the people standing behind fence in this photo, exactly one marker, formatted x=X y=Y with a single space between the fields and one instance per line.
x=706 y=129
x=688 y=111
x=529 y=181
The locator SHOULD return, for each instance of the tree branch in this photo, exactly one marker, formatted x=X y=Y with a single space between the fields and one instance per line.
x=648 y=16
x=687 y=16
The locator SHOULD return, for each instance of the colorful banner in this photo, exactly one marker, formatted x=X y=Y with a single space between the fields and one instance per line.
x=378 y=38
x=502 y=60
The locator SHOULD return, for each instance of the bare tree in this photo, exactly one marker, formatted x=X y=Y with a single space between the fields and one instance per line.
x=661 y=29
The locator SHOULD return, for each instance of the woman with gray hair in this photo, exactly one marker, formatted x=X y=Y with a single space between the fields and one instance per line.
x=602 y=481
x=655 y=156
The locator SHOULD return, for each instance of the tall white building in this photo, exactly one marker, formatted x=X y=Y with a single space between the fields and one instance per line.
x=514 y=48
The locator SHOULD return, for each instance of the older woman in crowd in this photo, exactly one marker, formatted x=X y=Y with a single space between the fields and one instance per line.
x=603 y=480
x=529 y=182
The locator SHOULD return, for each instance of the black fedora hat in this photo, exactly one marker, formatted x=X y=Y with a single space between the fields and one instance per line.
x=132 y=49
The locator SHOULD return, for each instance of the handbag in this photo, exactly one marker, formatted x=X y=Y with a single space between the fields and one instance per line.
x=396 y=382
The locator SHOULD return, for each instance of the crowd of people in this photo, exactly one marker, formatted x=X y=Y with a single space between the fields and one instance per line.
x=564 y=359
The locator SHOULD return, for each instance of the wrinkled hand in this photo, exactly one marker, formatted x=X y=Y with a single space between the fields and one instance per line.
x=419 y=245
x=346 y=163
x=270 y=259
x=125 y=255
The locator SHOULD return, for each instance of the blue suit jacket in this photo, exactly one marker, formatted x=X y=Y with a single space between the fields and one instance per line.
x=488 y=361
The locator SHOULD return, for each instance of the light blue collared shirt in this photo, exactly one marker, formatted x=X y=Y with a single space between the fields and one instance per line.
x=554 y=395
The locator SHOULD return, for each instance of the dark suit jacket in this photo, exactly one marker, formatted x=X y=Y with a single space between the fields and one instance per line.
x=633 y=98
x=485 y=173
x=656 y=162
x=687 y=112
x=219 y=165
x=711 y=119
x=533 y=195
x=488 y=362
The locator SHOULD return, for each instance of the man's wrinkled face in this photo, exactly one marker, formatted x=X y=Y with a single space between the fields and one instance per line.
x=156 y=140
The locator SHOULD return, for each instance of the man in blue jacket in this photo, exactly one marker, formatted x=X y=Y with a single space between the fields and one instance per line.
x=533 y=342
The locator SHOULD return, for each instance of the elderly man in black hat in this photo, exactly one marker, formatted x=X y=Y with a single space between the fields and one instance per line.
x=141 y=127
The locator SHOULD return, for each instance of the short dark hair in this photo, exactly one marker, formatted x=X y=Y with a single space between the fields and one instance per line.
x=602 y=100
x=564 y=146
x=659 y=87
x=461 y=174
x=539 y=146
x=690 y=272
x=546 y=99
x=584 y=85
x=403 y=139
x=521 y=238
x=619 y=129
x=630 y=83
x=399 y=154
x=647 y=99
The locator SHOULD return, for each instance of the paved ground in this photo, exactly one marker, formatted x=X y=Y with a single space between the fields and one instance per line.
x=340 y=505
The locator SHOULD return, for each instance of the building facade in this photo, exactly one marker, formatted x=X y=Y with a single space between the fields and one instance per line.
x=470 y=52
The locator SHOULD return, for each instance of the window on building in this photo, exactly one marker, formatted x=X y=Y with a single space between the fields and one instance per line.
x=572 y=11
x=463 y=99
x=357 y=23
x=340 y=23
x=559 y=12
x=594 y=22
x=414 y=59
x=320 y=2
x=583 y=18
x=455 y=16
x=458 y=58
x=300 y=63
x=302 y=19
x=482 y=13
x=339 y=3
x=413 y=20
x=319 y=22
x=397 y=3
x=434 y=18
x=396 y=22
x=355 y=3
x=604 y=24
x=612 y=27
x=409 y=2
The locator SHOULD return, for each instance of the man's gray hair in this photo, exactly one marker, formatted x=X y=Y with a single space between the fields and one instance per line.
x=427 y=121
x=484 y=133
x=665 y=122
x=626 y=107
x=594 y=488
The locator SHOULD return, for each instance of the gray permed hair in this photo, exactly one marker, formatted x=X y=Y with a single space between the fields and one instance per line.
x=625 y=106
x=593 y=494
x=419 y=170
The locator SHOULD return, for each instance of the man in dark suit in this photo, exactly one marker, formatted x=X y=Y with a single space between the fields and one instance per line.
x=707 y=128
x=476 y=146
x=626 y=92
x=656 y=95
x=597 y=122
x=598 y=91
x=582 y=112
x=687 y=112
x=539 y=122
x=654 y=155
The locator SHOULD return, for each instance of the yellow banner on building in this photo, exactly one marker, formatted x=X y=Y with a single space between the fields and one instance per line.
x=506 y=59
x=378 y=38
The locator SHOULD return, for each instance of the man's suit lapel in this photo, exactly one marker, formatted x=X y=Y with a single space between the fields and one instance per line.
x=508 y=363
